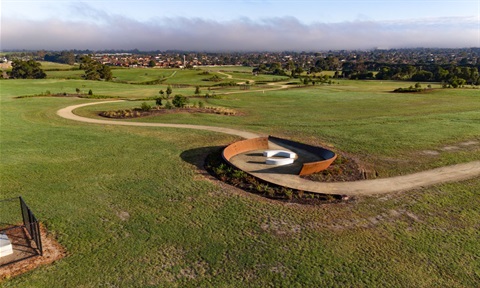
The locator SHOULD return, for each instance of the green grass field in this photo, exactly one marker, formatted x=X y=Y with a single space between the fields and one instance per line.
x=166 y=77
x=48 y=66
x=389 y=131
x=132 y=210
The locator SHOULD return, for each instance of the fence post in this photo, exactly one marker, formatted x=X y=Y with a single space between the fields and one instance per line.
x=39 y=238
x=31 y=224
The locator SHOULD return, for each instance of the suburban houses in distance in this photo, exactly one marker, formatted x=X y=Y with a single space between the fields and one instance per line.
x=328 y=60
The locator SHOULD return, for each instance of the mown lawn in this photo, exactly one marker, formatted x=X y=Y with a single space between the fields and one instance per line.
x=132 y=210
x=51 y=66
x=393 y=133
x=140 y=80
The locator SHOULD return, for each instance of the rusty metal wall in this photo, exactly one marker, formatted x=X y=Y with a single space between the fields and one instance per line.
x=244 y=146
x=311 y=167
x=262 y=143
x=314 y=167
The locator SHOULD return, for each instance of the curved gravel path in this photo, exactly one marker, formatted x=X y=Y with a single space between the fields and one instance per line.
x=367 y=187
x=68 y=114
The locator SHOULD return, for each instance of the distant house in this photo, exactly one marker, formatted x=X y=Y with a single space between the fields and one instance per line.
x=5 y=64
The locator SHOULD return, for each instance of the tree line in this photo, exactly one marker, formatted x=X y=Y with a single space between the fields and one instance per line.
x=65 y=57
x=452 y=75
x=32 y=69
x=452 y=67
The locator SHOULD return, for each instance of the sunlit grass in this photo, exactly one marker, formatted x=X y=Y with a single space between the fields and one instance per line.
x=381 y=128
x=45 y=65
x=132 y=210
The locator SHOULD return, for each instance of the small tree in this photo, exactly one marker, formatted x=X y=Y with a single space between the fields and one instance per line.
x=179 y=101
x=77 y=90
x=105 y=73
x=169 y=91
x=161 y=92
x=146 y=107
x=90 y=92
x=197 y=90
x=158 y=101
x=95 y=70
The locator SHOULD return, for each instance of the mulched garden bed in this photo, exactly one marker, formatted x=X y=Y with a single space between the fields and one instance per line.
x=138 y=112
x=343 y=169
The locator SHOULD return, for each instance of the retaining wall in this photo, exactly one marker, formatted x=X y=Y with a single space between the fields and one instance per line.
x=261 y=143
x=311 y=167
x=245 y=146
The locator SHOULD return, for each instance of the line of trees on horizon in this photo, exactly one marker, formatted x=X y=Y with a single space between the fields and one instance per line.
x=450 y=75
x=453 y=67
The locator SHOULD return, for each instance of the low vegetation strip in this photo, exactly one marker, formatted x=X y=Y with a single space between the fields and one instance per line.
x=368 y=187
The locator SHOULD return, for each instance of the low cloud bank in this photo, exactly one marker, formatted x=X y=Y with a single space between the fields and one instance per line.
x=271 y=34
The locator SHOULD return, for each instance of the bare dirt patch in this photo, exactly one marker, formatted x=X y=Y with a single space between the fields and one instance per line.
x=25 y=257
x=430 y=152
x=469 y=143
x=462 y=146
x=123 y=215
x=450 y=148
x=280 y=227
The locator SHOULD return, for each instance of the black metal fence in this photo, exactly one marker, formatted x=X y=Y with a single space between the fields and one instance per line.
x=31 y=225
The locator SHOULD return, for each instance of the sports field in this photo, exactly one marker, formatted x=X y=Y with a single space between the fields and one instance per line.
x=132 y=208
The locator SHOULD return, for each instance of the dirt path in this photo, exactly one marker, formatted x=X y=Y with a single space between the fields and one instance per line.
x=367 y=187
x=68 y=114
x=231 y=77
x=225 y=74
x=379 y=186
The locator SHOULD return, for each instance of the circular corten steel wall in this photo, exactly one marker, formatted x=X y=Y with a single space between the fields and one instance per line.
x=261 y=143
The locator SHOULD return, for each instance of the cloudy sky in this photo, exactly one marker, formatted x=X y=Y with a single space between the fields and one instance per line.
x=235 y=25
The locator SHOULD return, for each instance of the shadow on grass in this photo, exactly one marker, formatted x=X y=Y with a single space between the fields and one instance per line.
x=197 y=156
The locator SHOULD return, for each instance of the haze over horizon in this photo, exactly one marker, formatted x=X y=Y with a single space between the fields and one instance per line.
x=250 y=25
